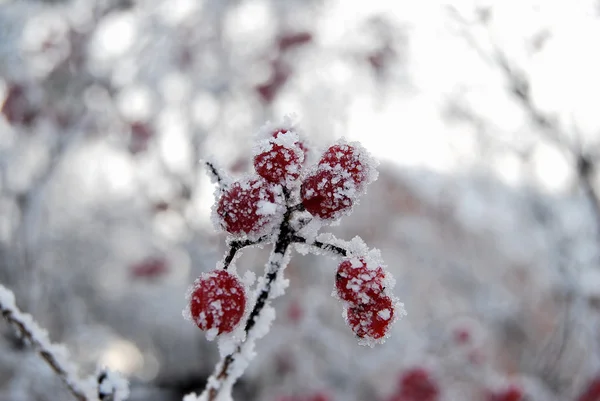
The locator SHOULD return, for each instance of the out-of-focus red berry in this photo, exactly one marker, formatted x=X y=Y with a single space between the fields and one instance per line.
x=592 y=391
x=218 y=301
x=17 y=107
x=416 y=384
x=291 y=40
x=150 y=268
x=510 y=393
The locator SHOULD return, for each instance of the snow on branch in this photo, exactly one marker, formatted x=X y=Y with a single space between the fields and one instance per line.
x=107 y=386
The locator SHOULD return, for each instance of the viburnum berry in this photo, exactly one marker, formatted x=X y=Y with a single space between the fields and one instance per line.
x=591 y=392
x=372 y=320
x=349 y=160
x=280 y=158
x=326 y=195
x=218 y=301
x=248 y=206
x=356 y=283
x=511 y=393
x=417 y=384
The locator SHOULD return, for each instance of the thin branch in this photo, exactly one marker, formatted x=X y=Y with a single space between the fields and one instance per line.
x=335 y=249
x=232 y=366
x=216 y=175
x=54 y=355
x=235 y=246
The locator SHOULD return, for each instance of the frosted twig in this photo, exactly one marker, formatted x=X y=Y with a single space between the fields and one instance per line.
x=226 y=371
x=337 y=250
x=235 y=246
x=55 y=355
x=216 y=175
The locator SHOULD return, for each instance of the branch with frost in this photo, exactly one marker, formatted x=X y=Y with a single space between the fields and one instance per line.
x=520 y=88
x=216 y=174
x=232 y=366
x=259 y=209
x=107 y=386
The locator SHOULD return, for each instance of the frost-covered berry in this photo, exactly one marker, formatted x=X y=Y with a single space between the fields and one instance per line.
x=326 y=195
x=372 y=320
x=510 y=393
x=280 y=158
x=417 y=384
x=248 y=206
x=217 y=301
x=356 y=283
x=349 y=160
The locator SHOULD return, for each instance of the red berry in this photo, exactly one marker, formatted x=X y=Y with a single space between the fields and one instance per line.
x=325 y=195
x=17 y=107
x=279 y=160
x=416 y=384
x=347 y=160
x=511 y=393
x=371 y=320
x=300 y=144
x=247 y=206
x=218 y=301
x=592 y=391
x=356 y=283
x=320 y=396
x=150 y=268
x=462 y=336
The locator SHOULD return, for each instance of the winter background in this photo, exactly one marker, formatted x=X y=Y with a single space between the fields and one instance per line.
x=484 y=116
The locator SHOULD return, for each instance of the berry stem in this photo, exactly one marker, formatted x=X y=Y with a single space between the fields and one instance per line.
x=235 y=246
x=335 y=249
x=216 y=175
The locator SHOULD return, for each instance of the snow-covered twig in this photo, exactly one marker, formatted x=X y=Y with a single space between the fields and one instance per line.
x=235 y=246
x=56 y=356
x=232 y=366
x=337 y=250
x=216 y=175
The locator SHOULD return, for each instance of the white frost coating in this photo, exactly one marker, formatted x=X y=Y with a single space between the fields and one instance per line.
x=266 y=208
x=225 y=177
x=267 y=129
x=56 y=355
x=7 y=299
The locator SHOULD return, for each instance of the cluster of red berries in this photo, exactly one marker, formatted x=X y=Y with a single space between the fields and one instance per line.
x=254 y=205
x=416 y=384
x=369 y=311
x=251 y=206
